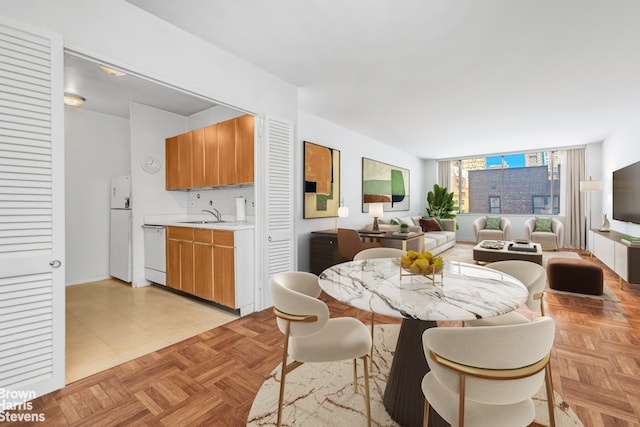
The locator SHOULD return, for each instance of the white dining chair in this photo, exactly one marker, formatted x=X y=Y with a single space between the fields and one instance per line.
x=533 y=276
x=487 y=376
x=310 y=336
x=373 y=253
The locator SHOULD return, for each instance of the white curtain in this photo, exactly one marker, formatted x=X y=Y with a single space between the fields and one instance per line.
x=575 y=222
x=444 y=174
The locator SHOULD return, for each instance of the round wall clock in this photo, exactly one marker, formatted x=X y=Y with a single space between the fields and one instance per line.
x=150 y=164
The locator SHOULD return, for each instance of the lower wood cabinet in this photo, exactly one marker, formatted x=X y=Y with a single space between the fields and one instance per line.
x=201 y=262
x=180 y=258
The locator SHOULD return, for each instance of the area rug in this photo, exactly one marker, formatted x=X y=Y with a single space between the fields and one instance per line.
x=464 y=252
x=321 y=394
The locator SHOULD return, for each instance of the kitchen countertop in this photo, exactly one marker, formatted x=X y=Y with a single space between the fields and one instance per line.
x=193 y=221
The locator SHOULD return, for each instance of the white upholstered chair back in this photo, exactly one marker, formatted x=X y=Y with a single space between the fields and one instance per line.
x=296 y=292
x=372 y=253
x=492 y=347
x=532 y=275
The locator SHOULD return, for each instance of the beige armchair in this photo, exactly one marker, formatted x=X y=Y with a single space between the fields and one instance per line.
x=549 y=240
x=481 y=232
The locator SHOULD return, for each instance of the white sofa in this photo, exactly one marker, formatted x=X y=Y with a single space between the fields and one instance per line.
x=434 y=241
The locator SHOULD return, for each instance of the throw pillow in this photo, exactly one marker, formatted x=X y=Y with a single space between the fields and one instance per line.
x=439 y=221
x=429 y=224
x=394 y=221
x=405 y=220
x=493 y=223
x=543 y=224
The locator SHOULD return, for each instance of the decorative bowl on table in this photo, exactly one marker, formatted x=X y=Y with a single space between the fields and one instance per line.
x=416 y=263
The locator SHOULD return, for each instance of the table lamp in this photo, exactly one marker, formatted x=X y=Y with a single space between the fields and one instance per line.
x=589 y=187
x=376 y=211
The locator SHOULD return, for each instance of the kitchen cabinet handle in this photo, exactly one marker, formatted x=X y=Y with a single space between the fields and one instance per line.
x=55 y=263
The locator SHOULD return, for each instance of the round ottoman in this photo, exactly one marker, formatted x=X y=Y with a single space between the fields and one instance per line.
x=574 y=275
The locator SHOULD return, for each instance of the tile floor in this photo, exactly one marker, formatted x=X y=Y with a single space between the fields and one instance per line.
x=109 y=322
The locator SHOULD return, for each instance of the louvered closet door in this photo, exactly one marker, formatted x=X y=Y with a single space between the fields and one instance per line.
x=279 y=201
x=31 y=211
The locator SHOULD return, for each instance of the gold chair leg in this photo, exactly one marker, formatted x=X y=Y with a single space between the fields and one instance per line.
x=283 y=374
x=550 y=397
x=355 y=376
x=425 y=416
x=366 y=391
x=373 y=321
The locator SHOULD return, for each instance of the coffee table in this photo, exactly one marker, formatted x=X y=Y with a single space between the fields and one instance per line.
x=498 y=250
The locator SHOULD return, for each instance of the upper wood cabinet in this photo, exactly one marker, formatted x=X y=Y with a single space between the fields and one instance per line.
x=244 y=148
x=178 y=151
x=220 y=154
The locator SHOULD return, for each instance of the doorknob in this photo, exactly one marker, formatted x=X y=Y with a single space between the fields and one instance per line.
x=55 y=263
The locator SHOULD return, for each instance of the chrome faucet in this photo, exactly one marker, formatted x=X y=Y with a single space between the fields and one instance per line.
x=215 y=213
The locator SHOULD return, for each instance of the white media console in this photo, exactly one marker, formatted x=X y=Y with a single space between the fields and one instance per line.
x=623 y=259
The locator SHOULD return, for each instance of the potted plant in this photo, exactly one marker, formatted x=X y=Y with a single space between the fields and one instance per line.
x=440 y=203
x=404 y=228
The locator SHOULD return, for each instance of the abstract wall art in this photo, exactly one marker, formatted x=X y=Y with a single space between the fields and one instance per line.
x=384 y=183
x=321 y=181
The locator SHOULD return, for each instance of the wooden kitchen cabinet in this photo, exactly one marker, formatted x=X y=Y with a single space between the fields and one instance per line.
x=224 y=268
x=203 y=264
x=178 y=161
x=244 y=148
x=211 y=160
x=220 y=154
x=180 y=268
x=227 y=152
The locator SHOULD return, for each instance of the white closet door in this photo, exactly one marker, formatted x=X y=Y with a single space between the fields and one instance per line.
x=31 y=212
x=277 y=245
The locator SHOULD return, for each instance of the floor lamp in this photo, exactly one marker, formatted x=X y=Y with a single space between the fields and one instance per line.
x=589 y=187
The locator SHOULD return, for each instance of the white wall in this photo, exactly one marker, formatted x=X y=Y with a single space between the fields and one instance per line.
x=149 y=128
x=619 y=150
x=96 y=148
x=119 y=33
x=353 y=147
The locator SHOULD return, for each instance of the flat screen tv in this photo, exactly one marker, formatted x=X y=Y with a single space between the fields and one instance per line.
x=626 y=193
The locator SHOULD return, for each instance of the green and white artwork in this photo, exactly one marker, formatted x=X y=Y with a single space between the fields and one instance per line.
x=384 y=183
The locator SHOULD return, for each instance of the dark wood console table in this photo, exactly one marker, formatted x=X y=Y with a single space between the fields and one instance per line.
x=323 y=249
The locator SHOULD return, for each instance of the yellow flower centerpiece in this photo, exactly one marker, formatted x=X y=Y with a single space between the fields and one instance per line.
x=421 y=263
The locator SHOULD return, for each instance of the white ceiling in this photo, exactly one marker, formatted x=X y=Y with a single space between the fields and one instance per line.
x=440 y=78
x=112 y=95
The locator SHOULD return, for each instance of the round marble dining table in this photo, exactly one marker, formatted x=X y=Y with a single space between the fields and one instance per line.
x=462 y=292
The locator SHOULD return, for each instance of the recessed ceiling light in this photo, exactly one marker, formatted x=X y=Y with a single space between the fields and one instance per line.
x=111 y=71
x=73 y=100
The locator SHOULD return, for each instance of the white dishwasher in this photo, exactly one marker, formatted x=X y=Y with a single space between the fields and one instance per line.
x=155 y=255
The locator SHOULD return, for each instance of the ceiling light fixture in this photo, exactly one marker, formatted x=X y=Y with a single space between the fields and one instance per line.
x=111 y=71
x=73 y=100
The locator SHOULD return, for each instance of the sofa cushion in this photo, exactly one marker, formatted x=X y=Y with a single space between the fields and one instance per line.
x=405 y=220
x=439 y=237
x=429 y=224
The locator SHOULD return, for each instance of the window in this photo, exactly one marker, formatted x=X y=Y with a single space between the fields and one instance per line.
x=541 y=205
x=524 y=183
x=494 y=204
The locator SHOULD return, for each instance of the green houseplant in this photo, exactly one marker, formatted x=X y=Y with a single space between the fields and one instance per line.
x=440 y=203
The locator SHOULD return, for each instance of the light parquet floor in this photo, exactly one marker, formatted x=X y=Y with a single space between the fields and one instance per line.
x=211 y=379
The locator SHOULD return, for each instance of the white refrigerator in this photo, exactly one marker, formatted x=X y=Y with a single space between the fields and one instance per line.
x=120 y=232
